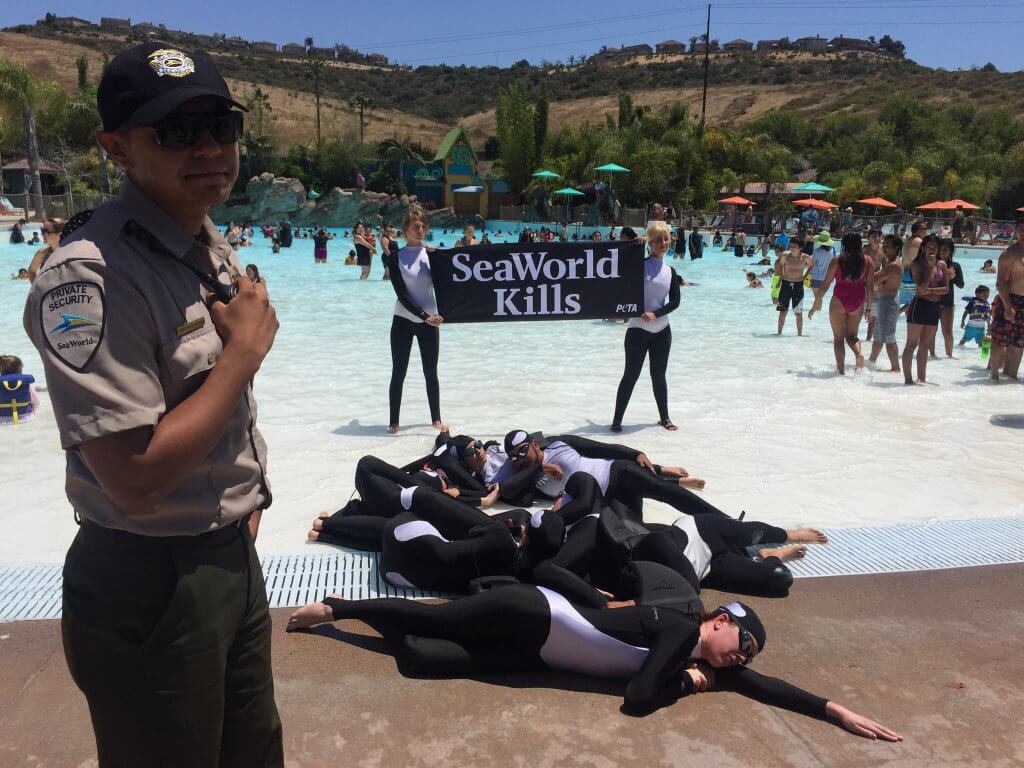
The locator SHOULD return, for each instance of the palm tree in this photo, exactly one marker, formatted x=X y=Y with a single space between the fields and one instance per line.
x=258 y=105
x=400 y=151
x=361 y=102
x=20 y=92
x=315 y=71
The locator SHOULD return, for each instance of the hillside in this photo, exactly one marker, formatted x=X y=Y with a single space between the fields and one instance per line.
x=422 y=103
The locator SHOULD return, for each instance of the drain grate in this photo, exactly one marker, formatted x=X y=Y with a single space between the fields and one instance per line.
x=34 y=591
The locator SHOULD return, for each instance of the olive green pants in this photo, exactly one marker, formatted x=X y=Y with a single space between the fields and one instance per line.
x=169 y=640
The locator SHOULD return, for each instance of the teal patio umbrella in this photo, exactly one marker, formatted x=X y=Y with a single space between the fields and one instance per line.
x=570 y=193
x=546 y=175
x=812 y=187
x=611 y=168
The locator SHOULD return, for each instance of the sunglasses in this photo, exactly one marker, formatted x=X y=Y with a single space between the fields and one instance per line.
x=184 y=130
x=472 y=448
x=747 y=645
x=520 y=452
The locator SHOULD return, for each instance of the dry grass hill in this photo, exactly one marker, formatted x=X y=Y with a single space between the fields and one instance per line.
x=425 y=102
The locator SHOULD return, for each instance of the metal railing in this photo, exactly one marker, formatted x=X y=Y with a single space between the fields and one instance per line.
x=56 y=206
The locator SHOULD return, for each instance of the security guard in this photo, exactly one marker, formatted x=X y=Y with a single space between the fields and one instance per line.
x=150 y=340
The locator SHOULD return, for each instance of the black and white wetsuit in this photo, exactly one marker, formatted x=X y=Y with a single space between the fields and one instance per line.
x=409 y=271
x=655 y=337
x=517 y=486
x=706 y=550
x=524 y=627
x=434 y=542
x=617 y=473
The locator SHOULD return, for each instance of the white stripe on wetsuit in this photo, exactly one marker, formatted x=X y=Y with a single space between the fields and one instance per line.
x=657 y=284
x=697 y=550
x=571 y=461
x=576 y=645
x=414 y=267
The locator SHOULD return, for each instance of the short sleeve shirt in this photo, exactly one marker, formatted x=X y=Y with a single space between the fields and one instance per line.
x=125 y=336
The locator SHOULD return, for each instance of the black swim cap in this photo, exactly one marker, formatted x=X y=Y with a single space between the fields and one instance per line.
x=517 y=437
x=546 y=534
x=745 y=616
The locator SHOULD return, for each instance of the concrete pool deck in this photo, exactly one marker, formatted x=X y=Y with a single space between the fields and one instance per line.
x=933 y=654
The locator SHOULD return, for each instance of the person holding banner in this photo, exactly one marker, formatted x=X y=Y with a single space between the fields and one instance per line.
x=415 y=317
x=651 y=333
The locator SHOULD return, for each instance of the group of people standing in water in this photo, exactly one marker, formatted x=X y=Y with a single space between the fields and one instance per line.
x=889 y=277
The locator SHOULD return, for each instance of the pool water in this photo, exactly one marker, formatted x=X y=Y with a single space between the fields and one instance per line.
x=765 y=420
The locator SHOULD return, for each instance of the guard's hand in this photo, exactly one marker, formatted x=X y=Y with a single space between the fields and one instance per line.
x=647 y=317
x=453 y=492
x=249 y=323
x=860 y=725
x=1009 y=312
x=434 y=320
x=492 y=495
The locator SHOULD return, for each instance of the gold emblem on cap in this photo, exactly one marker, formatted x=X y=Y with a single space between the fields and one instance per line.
x=168 y=61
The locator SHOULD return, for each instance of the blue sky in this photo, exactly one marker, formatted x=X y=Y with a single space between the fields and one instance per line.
x=937 y=33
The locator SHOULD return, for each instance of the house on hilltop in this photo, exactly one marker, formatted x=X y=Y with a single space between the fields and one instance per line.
x=115 y=25
x=670 y=47
x=738 y=45
x=377 y=59
x=816 y=44
x=293 y=49
x=263 y=46
x=851 y=44
x=65 y=22
x=782 y=44
x=321 y=52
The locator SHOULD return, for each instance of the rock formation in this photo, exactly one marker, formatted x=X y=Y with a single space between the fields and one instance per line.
x=277 y=198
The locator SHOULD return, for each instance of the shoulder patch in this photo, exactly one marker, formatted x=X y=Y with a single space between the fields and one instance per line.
x=72 y=319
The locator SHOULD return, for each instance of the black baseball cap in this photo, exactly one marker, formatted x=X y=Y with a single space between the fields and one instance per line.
x=745 y=616
x=517 y=437
x=143 y=84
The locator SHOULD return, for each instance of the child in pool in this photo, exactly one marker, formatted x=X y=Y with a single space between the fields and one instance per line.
x=18 y=398
x=752 y=281
x=975 y=319
x=987 y=267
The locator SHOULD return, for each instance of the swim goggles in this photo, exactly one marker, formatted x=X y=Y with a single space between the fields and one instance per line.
x=178 y=131
x=748 y=647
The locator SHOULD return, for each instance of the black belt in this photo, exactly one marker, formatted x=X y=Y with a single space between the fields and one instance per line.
x=118 y=538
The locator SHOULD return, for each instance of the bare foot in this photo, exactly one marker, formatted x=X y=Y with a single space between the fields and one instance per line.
x=440 y=426
x=309 y=616
x=860 y=362
x=313 y=535
x=788 y=552
x=812 y=535
x=393 y=429
x=692 y=482
x=675 y=471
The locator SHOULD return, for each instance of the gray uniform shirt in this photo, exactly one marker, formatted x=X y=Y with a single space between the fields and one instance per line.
x=125 y=336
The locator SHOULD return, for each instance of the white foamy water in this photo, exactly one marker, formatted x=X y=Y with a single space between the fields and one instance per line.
x=763 y=419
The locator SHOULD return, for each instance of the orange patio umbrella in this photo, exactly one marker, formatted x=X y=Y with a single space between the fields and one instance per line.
x=810 y=202
x=878 y=202
x=737 y=200
x=947 y=205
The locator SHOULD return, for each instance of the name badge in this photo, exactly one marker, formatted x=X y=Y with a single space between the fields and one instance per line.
x=192 y=325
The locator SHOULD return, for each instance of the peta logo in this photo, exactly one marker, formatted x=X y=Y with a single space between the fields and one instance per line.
x=625 y=307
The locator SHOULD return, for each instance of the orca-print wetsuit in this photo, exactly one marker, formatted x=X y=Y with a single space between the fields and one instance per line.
x=524 y=627
x=516 y=486
x=708 y=550
x=434 y=542
x=409 y=271
x=655 y=337
x=617 y=473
